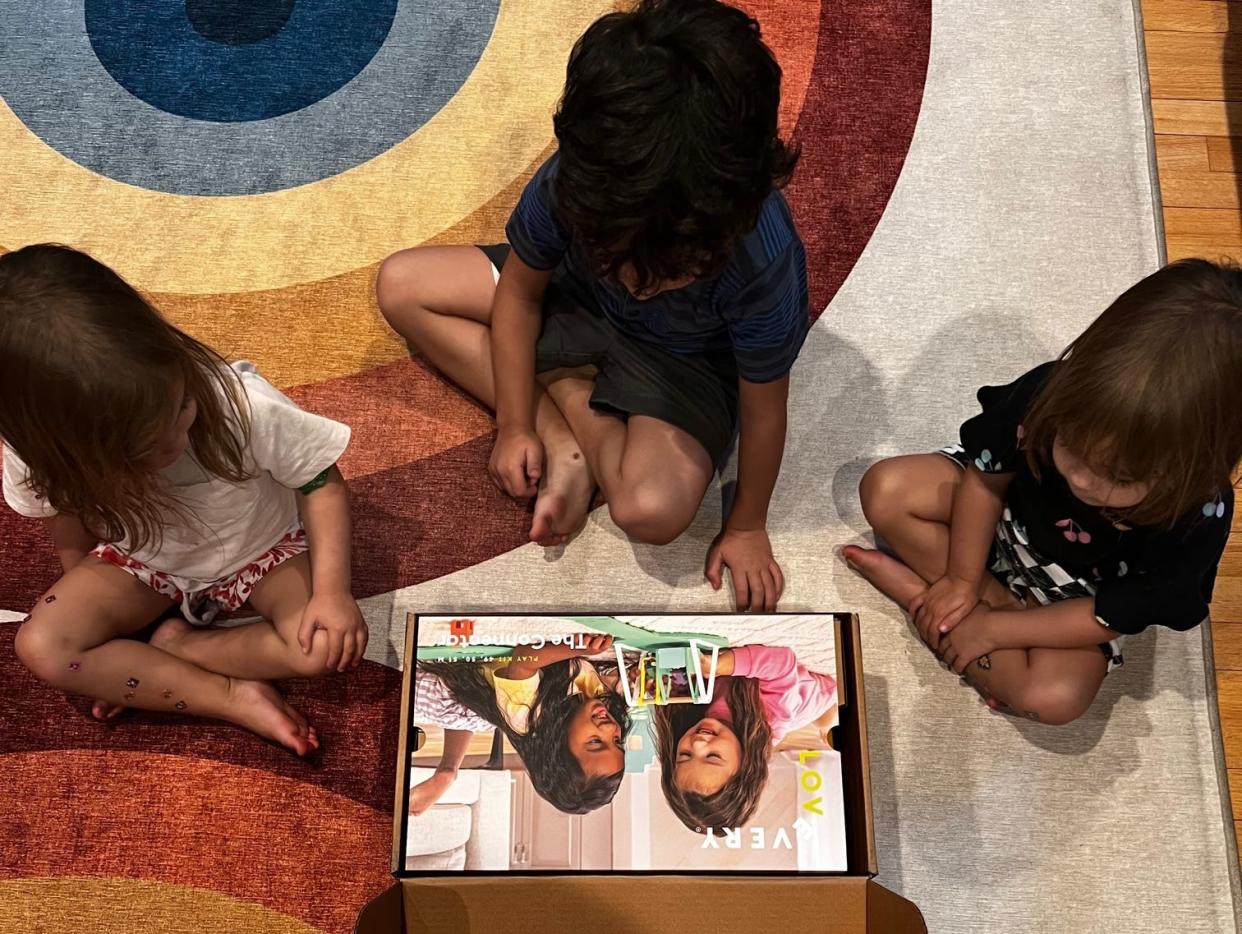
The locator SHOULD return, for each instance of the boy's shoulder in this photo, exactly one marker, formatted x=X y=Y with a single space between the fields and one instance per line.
x=773 y=235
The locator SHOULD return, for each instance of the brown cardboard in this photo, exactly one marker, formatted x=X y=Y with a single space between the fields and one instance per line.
x=848 y=904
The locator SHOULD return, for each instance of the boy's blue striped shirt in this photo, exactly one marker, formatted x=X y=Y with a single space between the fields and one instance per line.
x=757 y=306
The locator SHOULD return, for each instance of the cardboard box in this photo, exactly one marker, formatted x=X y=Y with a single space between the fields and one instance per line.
x=620 y=903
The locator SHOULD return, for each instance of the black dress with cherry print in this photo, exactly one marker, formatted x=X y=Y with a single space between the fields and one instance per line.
x=1141 y=576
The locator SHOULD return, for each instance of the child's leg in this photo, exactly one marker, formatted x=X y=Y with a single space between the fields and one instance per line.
x=909 y=503
x=653 y=474
x=440 y=300
x=266 y=650
x=75 y=640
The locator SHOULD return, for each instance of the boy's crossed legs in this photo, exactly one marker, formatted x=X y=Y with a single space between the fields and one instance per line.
x=653 y=474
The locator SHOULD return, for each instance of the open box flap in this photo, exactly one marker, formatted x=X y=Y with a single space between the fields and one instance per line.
x=617 y=905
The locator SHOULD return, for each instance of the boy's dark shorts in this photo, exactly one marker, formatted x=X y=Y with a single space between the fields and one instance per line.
x=694 y=392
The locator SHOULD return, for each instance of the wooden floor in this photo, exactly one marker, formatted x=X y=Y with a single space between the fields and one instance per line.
x=1194 y=56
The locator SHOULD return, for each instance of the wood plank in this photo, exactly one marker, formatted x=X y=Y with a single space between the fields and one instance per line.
x=1194 y=66
x=1222 y=223
x=1229 y=695
x=1224 y=152
x=1182 y=152
x=1187 y=188
x=1235 y=786
x=1189 y=15
x=1198 y=118
x=1227 y=647
x=1203 y=248
x=1227 y=599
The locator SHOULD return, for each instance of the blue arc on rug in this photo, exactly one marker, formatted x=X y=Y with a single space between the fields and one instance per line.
x=230 y=61
x=233 y=97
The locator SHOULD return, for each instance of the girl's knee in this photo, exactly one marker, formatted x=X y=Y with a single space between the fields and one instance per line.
x=43 y=649
x=881 y=492
x=312 y=664
x=1054 y=702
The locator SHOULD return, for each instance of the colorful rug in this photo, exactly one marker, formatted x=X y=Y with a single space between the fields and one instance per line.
x=249 y=164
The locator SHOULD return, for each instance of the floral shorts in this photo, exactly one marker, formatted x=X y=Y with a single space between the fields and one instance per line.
x=202 y=601
x=1026 y=572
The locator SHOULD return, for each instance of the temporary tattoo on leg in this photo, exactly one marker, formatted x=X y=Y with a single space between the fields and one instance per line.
x=129 y=695
x=180 y=705
x=984 y=662
x=50 y=598
x=1032 y=715
x=167 y=693
x=131 y=683
x=75 y=666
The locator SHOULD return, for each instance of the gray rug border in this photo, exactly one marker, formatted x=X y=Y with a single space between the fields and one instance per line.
x=1209 y=659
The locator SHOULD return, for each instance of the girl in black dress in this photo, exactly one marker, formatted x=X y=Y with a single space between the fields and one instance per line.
x=1091 y=498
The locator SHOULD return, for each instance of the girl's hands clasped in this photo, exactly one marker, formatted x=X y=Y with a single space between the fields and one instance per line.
x=943 y=605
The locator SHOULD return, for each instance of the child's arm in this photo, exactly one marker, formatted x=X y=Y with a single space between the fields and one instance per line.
x=977 y=506
x=517 y=313
x=70 y=540
x=532 y=660
x=1068 y=624
x=325 y=515
x=425 y=794
x=743 y=547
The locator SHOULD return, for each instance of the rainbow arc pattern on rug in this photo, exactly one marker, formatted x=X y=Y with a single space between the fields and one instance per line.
x=249 y=165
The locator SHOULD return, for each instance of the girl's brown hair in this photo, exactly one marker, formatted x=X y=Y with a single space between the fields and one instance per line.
x=734 y=804
x=89 y=373
x=1152 y=391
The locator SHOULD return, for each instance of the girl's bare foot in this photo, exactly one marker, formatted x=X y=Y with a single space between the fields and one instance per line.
x=258 y=707
x=885 y=573
x=565 y=494
x=169 y=633
x=103 y=711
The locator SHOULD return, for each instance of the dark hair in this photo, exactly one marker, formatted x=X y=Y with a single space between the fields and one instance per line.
x=554 y=772
x=88 y=372
x=735 y=802
x=668 y=138
x=1150 y=391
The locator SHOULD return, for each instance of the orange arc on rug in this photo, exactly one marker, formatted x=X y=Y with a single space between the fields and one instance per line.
x=181 y=821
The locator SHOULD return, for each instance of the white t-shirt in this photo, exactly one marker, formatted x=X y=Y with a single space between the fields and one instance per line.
x=235 y=522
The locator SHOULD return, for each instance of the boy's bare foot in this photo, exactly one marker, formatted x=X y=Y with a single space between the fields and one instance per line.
x=885 y=573
x=258 y=707
x=565 y=494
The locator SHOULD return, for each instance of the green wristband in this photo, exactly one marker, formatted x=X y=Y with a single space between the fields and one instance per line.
x=315 y=484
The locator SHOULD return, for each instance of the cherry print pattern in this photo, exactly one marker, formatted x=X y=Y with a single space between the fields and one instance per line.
x=1074 y=532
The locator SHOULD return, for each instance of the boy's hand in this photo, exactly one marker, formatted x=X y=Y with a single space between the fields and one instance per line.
x=969 y=639
x=942 y=606
x=757 y=579
x=517 y=461
x=425 y=794
x=338 y=615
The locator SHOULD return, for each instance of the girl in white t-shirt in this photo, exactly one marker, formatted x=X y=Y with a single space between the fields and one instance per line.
x=167 y=480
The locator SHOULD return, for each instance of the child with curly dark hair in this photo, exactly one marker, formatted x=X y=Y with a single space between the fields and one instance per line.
x=651 y=300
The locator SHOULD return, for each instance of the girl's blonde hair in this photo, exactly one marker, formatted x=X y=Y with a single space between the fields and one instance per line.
x=1152 y=391
x=89 y=372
